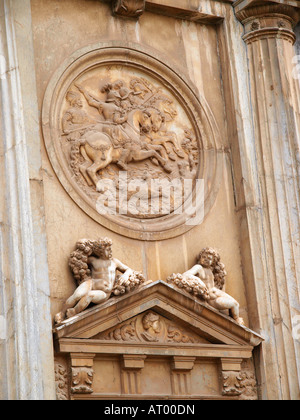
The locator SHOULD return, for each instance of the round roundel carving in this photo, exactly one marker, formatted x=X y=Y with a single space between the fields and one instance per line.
x=131 y=141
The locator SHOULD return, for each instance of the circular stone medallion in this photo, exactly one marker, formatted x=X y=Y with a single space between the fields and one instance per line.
x=131 y=142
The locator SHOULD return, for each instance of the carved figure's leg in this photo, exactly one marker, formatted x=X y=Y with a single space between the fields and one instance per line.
x=92 y=171
x=161 y=150
x=83 y=169
x=142 y=155
x=95 y=296
x=68 y=308
x=235 y=313
x=221 y=300
x=123 y=159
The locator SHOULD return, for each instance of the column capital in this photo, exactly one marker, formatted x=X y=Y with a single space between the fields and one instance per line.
x=268 y=18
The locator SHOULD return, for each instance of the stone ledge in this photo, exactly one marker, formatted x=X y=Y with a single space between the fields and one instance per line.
x=168 y=300
x=192 y=10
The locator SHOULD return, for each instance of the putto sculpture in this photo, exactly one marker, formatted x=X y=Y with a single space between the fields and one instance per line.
x=206 y=280
x=95 y=271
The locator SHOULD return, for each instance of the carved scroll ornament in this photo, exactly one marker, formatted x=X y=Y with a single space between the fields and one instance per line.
x=149 y=328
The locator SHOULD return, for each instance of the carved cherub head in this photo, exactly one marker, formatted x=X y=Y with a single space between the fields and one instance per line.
x=151 y=322
x=102 y=248
x=210 y=258
x=78 y=260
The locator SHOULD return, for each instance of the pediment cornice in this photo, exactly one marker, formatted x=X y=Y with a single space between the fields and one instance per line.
x=157 y=323
x=169 y=302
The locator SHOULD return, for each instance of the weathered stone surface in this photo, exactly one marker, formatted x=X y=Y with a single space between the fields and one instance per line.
x=164 y=336
x=231 y=71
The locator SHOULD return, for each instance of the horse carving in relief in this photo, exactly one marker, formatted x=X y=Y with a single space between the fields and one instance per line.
x=110 y=143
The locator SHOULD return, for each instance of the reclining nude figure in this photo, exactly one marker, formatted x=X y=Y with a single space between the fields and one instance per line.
x=206 y=279
x=95 y=271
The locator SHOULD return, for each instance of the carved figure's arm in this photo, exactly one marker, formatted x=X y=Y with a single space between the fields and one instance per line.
x=120 y=266
x=197 y=270
x=127 y=281
x=89 y=98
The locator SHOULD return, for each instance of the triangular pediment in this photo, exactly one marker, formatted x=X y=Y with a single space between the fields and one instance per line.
x=179 y=316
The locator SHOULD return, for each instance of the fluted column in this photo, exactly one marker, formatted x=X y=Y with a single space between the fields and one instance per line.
x=276 y=116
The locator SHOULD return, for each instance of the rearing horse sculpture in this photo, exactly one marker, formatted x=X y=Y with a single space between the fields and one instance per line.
x=99 y=149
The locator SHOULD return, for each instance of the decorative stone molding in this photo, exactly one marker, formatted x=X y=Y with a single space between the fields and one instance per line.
x=131 y=373
x=231 y=383
x=82 y=373
x=82 y=380
x=267 y=20
x=150 y=327
x=138 y=364
x=240 y=384
x=128 y=8
x=178 y=9
x=181 y=374
x=61 y=382
x=238 y=381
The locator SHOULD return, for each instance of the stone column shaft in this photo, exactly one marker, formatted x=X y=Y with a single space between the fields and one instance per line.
x=275 y=102
x=26 y=351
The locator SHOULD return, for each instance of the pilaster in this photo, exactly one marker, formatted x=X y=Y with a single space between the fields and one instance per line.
x=26 y=350
x=275 y=103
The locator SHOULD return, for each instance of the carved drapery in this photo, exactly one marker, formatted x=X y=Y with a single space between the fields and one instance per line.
x=269 y=37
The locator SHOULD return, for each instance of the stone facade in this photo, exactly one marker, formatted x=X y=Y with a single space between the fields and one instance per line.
x=101 y=99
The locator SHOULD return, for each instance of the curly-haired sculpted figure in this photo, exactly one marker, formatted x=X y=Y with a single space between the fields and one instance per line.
x=206 y=279
x=95 y=271
x=152 y=327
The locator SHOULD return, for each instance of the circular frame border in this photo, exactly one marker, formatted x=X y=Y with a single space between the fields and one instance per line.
x=195 y=106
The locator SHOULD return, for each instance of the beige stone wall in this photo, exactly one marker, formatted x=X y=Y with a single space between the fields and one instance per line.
x=62 y=27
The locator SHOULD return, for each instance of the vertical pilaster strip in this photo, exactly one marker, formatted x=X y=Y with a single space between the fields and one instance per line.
x=26 y=348
x=269 y=37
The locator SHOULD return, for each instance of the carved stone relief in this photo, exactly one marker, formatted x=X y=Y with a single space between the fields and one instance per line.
x=82 y=380
x=206 y=280
x=128 y=8
x=129 y=140
x=61 y=382
x=150 y=327
x=96 y=273
x=157 y=341
x=129 y=125
x=241 y=384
